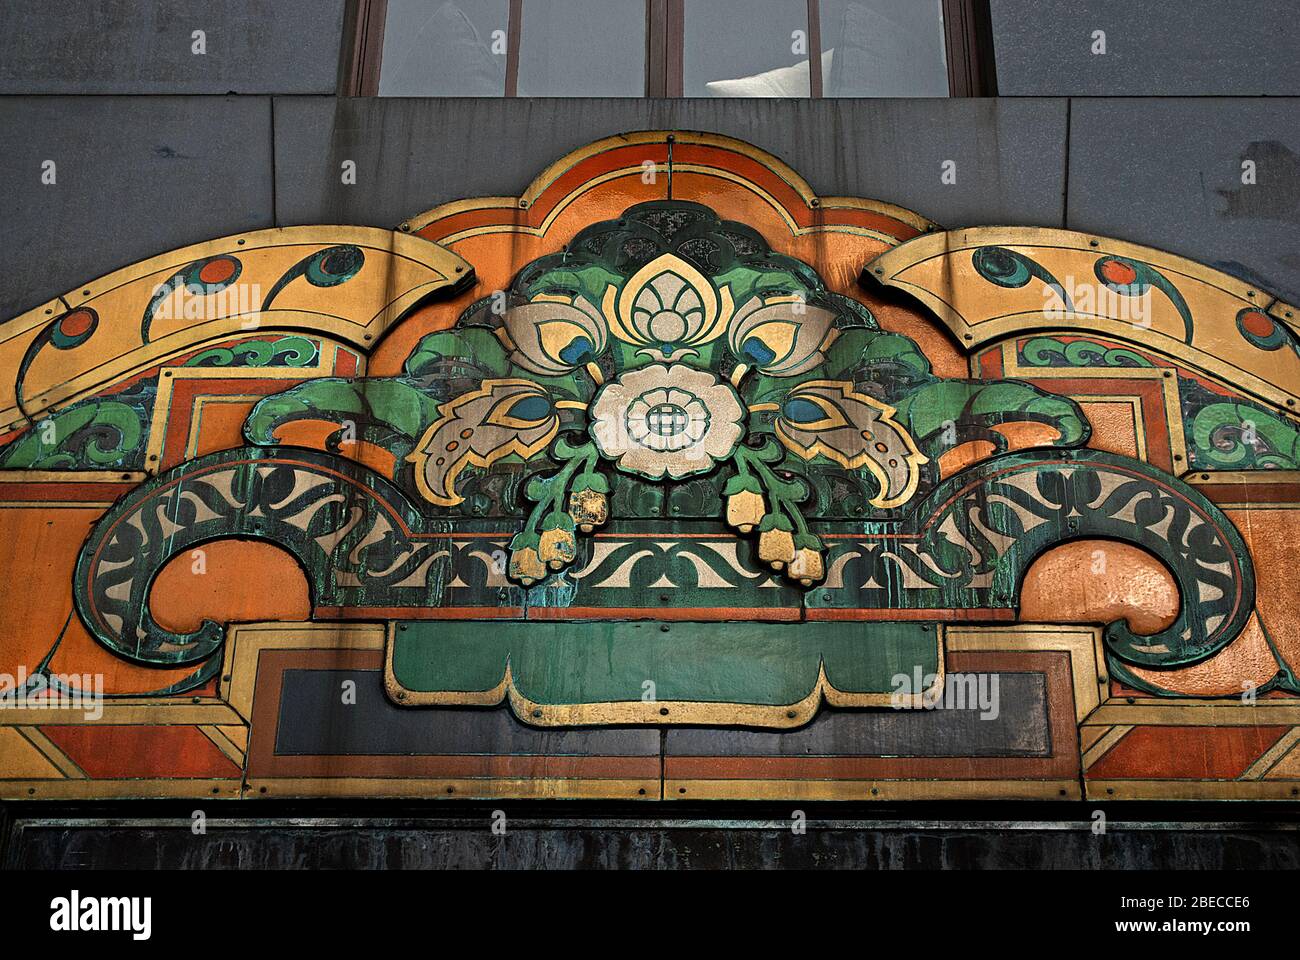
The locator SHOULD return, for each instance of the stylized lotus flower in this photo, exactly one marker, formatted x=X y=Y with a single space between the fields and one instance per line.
x=672 y=420
x=668 y=306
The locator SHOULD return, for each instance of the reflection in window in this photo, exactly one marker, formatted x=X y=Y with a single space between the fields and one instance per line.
x=447 y=49
x=582 y=48
x=869 y=48
x=745 y=48
x=883 y=48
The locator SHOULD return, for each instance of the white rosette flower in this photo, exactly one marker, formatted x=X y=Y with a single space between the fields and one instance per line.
x=672 y=421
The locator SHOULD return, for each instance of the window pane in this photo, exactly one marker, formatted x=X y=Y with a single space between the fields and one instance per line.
x=745 y=48
x=582 y=48
x=883 y=48
x=434 y=49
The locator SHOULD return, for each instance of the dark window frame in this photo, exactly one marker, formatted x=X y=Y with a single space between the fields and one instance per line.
x=967 y=26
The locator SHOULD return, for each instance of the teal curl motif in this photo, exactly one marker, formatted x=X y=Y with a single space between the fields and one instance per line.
x=1010 y=269
x=1051 y=352
x=361 y=543
x=1133 y=278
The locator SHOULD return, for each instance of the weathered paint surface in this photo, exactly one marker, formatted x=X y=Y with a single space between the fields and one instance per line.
x=650 y=399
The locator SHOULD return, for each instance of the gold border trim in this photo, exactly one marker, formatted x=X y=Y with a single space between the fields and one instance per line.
x=505 y=788
x=890 y=265
x=445 y=269
x=886 y=790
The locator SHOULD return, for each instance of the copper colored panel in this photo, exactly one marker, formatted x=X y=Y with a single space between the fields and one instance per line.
x=1097 y=581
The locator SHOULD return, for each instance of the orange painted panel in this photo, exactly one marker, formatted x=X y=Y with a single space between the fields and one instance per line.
x=1185 y=753
x=119 y=752
x=233 y=581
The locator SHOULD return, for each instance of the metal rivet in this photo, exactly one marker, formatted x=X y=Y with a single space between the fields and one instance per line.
x=663 y=628
x=663 y=711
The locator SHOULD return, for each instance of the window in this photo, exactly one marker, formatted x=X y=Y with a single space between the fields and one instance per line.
x=445 y=49
x=582 y=48
x=670 y=48
x=883 y=48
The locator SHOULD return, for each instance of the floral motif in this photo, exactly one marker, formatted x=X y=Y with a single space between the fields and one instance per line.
x=827 y=418
x=668 y=306
x=553 y=336
x=783 y=337
x=500 y=418
x=666 y=420
x=665 y=345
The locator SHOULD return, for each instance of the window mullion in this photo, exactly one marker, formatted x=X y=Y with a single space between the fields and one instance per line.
x=514 y=27
x=815 y=78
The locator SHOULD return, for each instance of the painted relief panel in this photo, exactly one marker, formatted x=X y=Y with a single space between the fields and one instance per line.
x=853 y=506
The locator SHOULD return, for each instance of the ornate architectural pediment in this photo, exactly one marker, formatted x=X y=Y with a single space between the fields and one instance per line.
x=668 y=440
